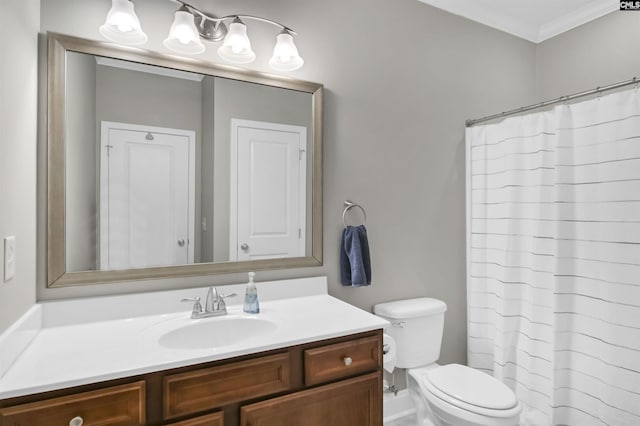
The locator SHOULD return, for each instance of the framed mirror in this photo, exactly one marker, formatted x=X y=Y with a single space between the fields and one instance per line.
x=160 y=166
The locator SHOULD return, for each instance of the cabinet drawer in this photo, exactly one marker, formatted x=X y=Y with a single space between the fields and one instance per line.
x=115 y=406
x=341 y=360
x=215 y=419
x=200 y=390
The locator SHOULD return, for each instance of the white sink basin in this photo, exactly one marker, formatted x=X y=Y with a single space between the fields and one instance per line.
x=216 y=332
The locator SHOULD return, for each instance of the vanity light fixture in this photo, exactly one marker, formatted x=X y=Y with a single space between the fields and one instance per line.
x=285 y=54
x=236 y=46
x=183 y=35
x=122 y=24
x=191 y=24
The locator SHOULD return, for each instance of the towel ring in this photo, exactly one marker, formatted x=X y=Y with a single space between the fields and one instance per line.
x=348 y=205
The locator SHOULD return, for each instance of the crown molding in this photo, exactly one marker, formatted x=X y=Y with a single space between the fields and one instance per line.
x=520 y=26
x=491 y=17
x=593 y=10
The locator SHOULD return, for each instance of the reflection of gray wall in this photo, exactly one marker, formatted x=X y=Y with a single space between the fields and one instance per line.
x=147 y=99
x=120 y=95
x=207 y=167
x=247 y=101
x=81 y=167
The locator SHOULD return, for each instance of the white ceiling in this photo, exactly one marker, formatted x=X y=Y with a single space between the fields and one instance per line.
x=533 y=20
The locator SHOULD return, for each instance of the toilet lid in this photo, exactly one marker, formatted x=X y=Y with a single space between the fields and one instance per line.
x=472 y=387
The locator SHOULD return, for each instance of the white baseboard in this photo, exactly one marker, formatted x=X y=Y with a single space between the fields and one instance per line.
x=397 y=406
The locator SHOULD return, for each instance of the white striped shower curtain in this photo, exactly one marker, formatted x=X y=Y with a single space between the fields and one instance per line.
x=553 y=285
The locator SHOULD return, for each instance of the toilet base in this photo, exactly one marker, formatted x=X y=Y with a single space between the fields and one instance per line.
x=424 y=415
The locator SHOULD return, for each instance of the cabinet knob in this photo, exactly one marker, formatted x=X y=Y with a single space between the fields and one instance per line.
x=76 y=421
x=347 y=360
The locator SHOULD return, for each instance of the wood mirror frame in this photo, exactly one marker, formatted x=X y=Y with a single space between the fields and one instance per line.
x=57 y=275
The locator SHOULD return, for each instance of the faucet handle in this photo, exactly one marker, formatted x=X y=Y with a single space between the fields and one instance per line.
x=222 y=306
x=224 y=296
x=197 y=307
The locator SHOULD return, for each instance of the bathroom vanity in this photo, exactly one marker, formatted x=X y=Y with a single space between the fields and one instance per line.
x=309 y=384
x=321 y=364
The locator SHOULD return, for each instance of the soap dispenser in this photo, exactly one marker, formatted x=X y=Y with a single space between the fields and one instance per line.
x=251 y=304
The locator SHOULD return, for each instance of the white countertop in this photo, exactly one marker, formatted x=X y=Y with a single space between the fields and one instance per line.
x=64 y=353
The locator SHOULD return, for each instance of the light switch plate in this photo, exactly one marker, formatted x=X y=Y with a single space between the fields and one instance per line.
x=9 y=258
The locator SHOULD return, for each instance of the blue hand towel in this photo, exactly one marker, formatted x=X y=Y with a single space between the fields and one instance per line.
x=355 y=264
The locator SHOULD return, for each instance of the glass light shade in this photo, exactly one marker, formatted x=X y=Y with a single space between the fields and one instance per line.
x=122 y=24
x=183 y=35
x=236 y=46
x=285 y=54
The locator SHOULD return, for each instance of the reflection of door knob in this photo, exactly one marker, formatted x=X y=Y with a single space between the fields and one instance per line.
x=244 y=246
x=181 y=243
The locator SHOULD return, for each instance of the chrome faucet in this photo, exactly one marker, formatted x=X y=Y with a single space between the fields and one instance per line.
x=214 y=305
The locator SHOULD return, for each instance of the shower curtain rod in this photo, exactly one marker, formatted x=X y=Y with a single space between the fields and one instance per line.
x=561 y=99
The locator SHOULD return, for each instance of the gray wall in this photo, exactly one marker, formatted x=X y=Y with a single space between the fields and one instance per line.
x=393 y=128
x=394 y=132
x=19 y=23
x=596 y=54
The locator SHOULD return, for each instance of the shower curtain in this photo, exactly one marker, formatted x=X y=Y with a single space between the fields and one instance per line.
x=553 y=238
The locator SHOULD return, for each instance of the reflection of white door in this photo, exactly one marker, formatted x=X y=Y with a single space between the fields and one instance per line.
x=146 y=196
x=268 y=190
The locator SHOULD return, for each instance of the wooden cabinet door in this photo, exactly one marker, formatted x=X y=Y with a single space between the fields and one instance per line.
x=353 y=402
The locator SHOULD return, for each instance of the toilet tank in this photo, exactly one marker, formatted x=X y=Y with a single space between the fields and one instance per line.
x=416 y=326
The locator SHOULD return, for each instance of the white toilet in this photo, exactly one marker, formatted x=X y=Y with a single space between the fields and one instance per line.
x=452 y=394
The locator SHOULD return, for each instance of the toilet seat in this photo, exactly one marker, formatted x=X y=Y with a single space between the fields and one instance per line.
x=468 y=389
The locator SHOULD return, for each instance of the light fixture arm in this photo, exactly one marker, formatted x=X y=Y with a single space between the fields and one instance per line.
x=206 y=17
